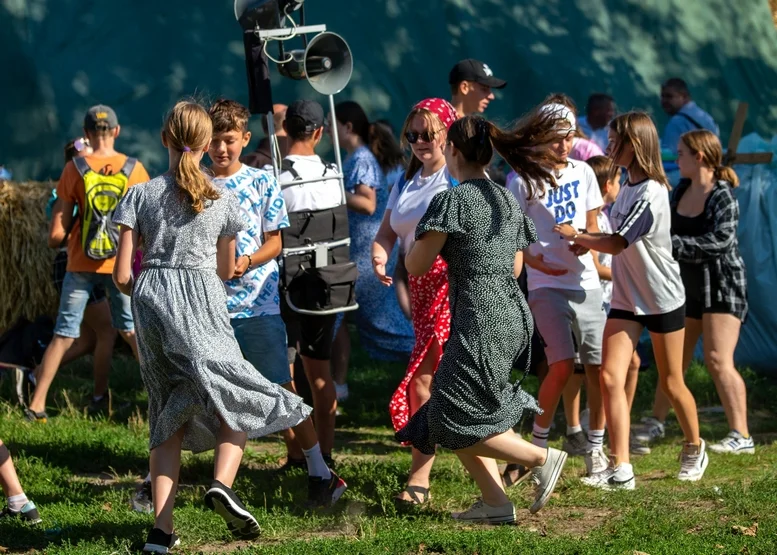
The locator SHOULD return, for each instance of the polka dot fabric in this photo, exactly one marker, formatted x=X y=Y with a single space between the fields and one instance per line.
x=431 y=321
x=472 y=396
x=441 y=108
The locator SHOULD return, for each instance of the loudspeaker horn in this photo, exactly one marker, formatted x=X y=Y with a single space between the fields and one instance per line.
x=328 y=64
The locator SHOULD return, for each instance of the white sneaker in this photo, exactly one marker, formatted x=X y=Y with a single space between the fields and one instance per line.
x=693 y=462
x=341 y=392
x=649 y=430
x=546 y=476
x=596 y=461
x=612 y=478
x=734 y=443
x=637 y=447
x=481 y=512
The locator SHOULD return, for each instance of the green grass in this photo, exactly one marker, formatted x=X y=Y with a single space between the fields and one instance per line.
x=82 y=472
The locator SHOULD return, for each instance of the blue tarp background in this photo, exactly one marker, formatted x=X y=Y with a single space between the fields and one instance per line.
x=58 y=57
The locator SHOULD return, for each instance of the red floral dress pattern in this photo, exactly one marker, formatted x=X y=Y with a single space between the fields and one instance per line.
x=431 y=313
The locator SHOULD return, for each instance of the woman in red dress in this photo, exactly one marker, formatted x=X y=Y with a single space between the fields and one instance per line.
x=425 y=131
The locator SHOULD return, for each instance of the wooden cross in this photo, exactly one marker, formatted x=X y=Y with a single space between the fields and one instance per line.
x=732 y=156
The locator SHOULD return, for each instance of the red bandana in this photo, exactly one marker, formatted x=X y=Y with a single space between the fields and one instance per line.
x=441 y=108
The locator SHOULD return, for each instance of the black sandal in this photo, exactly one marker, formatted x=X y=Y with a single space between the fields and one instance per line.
x=418 y=496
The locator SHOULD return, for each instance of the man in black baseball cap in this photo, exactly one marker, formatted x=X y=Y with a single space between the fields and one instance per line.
x=471 y=82
x=304 y=116
x=100 y=117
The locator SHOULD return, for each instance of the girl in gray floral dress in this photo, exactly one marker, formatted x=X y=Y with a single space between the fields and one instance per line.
x=202 y=393
x=480 y=230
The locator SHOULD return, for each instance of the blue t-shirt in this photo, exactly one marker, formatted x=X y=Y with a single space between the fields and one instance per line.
x=257 y=191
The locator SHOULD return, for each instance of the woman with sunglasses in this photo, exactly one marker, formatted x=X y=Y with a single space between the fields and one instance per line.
x=425 y=132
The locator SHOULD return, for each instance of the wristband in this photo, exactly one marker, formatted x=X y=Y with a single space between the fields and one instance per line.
x=248 y=256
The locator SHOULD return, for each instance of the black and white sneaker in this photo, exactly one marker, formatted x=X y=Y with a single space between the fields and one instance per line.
x=142 y=500
x=613 y=478
x=225 y=503
x=159 y=542
x=325 y=493
x=576 y=444
x=28 y=513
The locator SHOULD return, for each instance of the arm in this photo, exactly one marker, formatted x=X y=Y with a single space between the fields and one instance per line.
x=600 y=242
x=271 y=248
x=382 y=247
x=61 y=222
x=591 y=226
x=122 y=269
x=518 y=264
x=363 y=200
x=702 y=248
x=402 y=289
x=225 y=257
x=538 y=263
x=424 y=252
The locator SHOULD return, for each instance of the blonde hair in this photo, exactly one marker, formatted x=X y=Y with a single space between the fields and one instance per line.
x=188 y=129
x=435 y=127
x=638 y=130
x=708 y=144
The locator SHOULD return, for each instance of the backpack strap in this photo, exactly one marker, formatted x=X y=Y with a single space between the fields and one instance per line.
x=693 y=121
x=129 y=165
x=81 y=165
x=288 y=166
x=401 y=183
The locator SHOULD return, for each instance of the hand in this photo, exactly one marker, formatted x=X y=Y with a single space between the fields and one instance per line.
x=541 y=266
x=566 y=231
x=379 y=267
x=578 y=250
x=241 y=265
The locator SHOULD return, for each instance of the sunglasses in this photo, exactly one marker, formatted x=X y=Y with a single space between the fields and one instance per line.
x=413 y=136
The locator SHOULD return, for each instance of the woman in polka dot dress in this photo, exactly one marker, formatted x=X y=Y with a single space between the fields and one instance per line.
x=425 y=131
x=480 y=230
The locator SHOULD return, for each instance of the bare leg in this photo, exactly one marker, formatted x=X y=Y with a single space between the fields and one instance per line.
x=341 y=354
x=228 y=454
x=81 y=346
x=486 y=475
x=721 y=334
x=48 y=369
x=620 y=340
x=129 y=337
x=594 y=392
x=508 y=446
x=551 y=390
x=631 y=380
x=293 y=449
x=420 y=391
x=165 y=468
x=8 y=478
x=324 y=400
x=668 y=350
x=97 y=317
x=693 y=330
x=571 y=398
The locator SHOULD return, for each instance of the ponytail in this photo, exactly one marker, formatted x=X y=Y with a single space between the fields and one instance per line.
x=525 y=147
x=188 y=128
x=385 y=147
x=727 y=173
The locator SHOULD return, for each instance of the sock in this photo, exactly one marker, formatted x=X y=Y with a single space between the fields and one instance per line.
x=540 y=436
x=98 y=398
x=573 y=430
x=17 y=502
x=316 y=464
x=595 y=439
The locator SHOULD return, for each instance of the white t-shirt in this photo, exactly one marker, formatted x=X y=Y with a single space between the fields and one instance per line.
x=603 y=219
x=310 y=196
x=409 y=206
x=576 y=193
x=256 y=292
x=646 y=279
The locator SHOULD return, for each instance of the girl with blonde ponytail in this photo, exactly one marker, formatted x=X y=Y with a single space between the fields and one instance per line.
x=705 y=217
x=202 y=394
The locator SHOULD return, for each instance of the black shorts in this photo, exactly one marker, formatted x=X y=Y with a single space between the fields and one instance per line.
x=311 y=335
x=655 y=323
x=694 y=308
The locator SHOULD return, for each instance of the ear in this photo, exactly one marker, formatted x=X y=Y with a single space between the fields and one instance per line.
x=246 y=139
x=318 y=134
x=117 y=131
x=464 y=87
x=349 y=127
x=699 y=157
x=206 y=148
x=164 y=139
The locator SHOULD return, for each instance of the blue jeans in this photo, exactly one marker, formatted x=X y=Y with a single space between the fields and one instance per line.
x=263 y=342
x=76 y=291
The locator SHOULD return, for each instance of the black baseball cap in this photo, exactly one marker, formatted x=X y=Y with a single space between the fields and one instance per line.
x=100 y=115
x=477 y=71
x=307 y=115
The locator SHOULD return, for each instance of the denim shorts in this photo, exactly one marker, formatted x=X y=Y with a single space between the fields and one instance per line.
x=77 y=289
x=263 y=342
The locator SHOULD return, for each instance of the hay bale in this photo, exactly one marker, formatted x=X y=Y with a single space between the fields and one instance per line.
x=25 y=274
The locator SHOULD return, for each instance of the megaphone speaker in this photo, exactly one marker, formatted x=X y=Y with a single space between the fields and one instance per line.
x=328 y=64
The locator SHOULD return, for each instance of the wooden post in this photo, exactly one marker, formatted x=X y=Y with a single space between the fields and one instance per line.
x=732 y=156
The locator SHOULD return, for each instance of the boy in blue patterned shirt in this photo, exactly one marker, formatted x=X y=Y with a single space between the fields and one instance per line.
x=253 y=298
